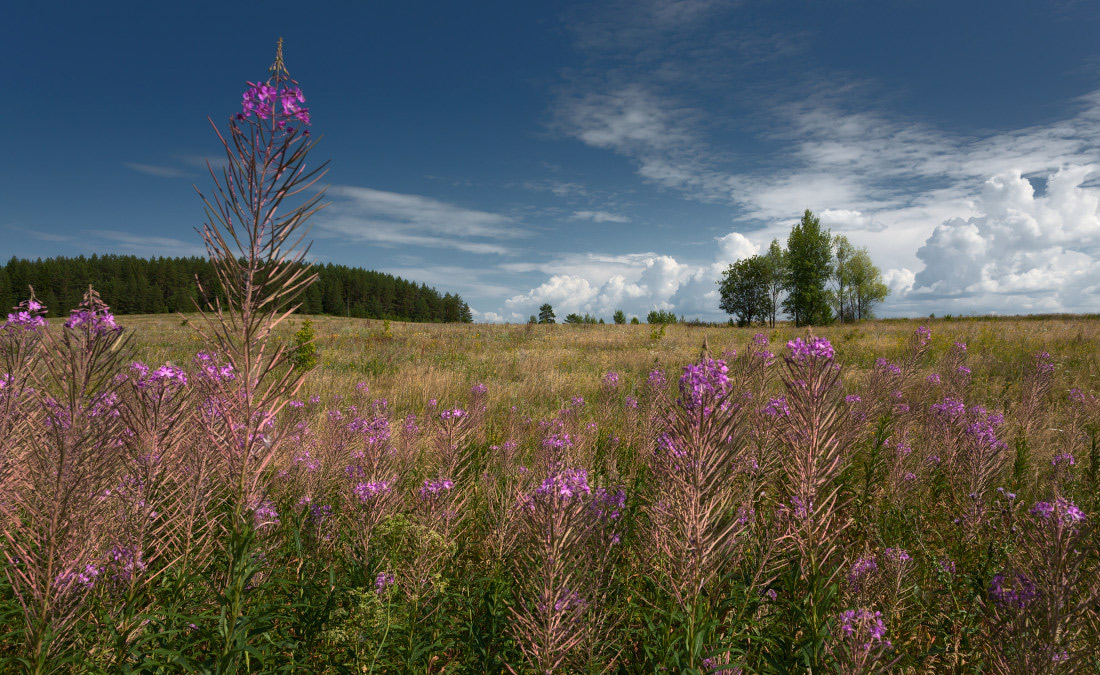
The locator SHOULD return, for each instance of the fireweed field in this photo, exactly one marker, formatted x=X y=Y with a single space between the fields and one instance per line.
x=191 y=495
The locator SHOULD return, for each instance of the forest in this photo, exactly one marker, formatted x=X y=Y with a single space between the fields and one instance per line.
x=133 y=285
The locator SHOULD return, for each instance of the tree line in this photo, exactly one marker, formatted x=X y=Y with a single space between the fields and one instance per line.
x=133 y=285
x=817 y=279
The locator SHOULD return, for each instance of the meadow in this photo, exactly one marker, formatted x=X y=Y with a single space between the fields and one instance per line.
x=192 y=494
x=901 y=495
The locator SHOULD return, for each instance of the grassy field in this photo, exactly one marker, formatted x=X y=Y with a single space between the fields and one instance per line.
x=542 y=366
x=526 y=498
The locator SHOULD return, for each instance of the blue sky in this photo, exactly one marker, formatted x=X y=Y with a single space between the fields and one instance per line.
x=594 y=155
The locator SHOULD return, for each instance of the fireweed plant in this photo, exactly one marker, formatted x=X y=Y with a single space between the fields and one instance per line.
x=759 y=510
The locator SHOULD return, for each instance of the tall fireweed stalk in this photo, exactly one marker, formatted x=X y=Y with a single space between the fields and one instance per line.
x=67 y=447
x=567 y=540
x=816 y=439
x=1042 y=608
x=260 y=264
x=701 y=507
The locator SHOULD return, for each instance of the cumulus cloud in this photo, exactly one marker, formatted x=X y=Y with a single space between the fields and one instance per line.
x=636 y=283
x=391 y=218
x=1023 y=252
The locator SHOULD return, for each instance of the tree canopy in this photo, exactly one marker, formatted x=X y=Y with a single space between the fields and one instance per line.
x=133 y=285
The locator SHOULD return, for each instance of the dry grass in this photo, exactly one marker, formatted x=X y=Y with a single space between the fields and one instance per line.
x=541 y=366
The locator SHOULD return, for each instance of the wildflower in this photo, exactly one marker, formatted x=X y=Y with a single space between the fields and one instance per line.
x=934 y=378
x=1076 y=395
x=608 y=505
x=1015 y=593
x=631 y=402
x=124 y=563
x=760 y=340
x=777 y=407
x=886 y=367
x=960 y=346
x=947 y=566
x=479 y=389
x=852 y=399
x=865 y=627
x=366 y=492
x=383 y=581
x=1067 y=511
x=1064 y=458
x=566 y=483
x=431 y=490
x=706 y=379
x=1044 y=364
x=897 y=555
x=362 y=387
x=577 y=401
x=98 y=322
x=27 y=319
x=862 y=568
x=265 y=514
x=454 y=414
x=611 y=380
x=924 y=335
x=656 y=379
x=816 y=348
x=963 y=371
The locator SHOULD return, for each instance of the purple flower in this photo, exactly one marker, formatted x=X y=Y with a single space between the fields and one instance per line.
x=97 y=322
x=963 y=371
x=367 y=492
x=1044 y=364
x=948 y=566
x=897 y=555
x=656 y=379
x=852 y=399
x=860 y=570
x=1064 y=458
x=866 y=628
x=479 y=389
x=934 y=378
x=566 y=483
x=760 y=340
x=611 y=380
x=123 y=563
x=264 y=514
x=1065 y=510
x=704 y=380
x=950 y=409
x=455 y=414
x=886 y=367
x=1015 y=593
x=383 y=581
x=431 y=490
x=960 y=347
x=777 y=407
x=27 y=318
x=817 y=348
x=630 y=402
x=924 y=335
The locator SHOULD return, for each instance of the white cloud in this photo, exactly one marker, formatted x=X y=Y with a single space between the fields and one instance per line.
x=1022 y=253
x=636 y=283
x=599 y=217
x=390 y=218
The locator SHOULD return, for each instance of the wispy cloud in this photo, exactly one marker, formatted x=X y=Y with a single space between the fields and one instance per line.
x=158 y=171
x=394 y=219
x=600 y=217
x=149 y=246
